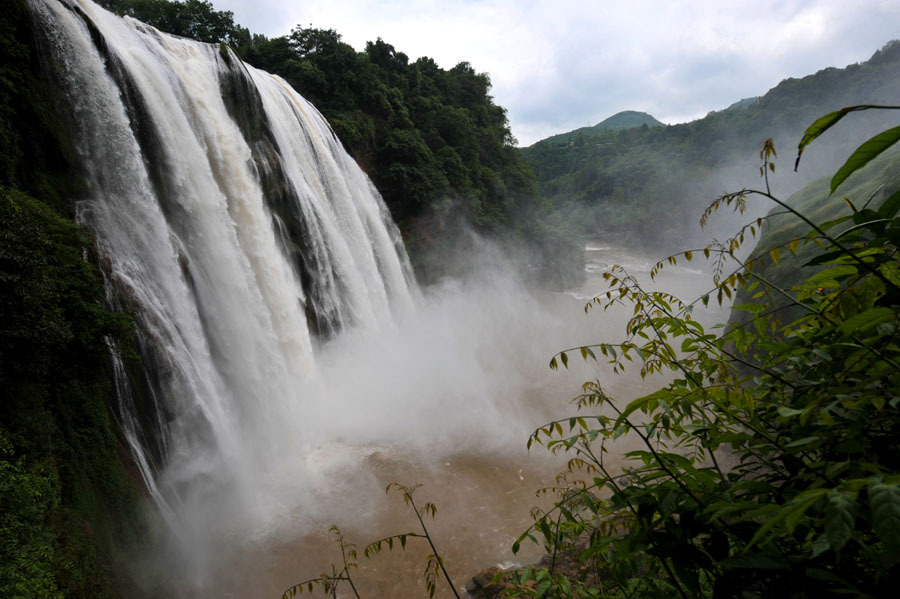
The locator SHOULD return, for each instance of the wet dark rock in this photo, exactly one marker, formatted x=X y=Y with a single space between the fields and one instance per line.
x=482 y=585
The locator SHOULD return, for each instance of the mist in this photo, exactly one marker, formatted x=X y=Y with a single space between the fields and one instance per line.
x=264 y=432
x=462 y=375
x=444 y=393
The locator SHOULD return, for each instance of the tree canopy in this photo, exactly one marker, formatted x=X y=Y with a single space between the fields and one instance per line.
x=615 y=180
x=432 y=140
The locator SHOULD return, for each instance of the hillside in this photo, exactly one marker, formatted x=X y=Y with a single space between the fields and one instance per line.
x=434 y=143
x=743 y=103
x=627 y=119
x=869 y=189
x=806 y=505
x=618 y=180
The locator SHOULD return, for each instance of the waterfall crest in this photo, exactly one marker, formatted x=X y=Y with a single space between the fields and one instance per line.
x=234 y=226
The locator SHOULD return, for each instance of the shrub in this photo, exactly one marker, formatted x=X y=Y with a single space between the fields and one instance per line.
x=770 y=465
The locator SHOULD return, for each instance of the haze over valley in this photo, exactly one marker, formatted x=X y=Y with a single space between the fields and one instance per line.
x=255 y=274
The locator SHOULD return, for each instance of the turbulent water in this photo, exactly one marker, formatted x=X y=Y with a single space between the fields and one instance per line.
x=289 y=365
x=235 y=227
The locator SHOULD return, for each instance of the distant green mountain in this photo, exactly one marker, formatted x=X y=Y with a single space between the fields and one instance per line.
x=744 y=103
x=627 y=119
x=654 y=182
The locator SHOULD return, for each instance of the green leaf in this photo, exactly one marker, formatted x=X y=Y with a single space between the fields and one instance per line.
x=819 y=574
x=839 y=520
x=885 y=501
x=788 y=412
x=635 y=405
x=832 y=273
x=866 y=215
x=804 y=441
x=834 y=222
x=890 y=206
x=819 y=127
x=545 y=529
x=820 y=546
x=758 y=561
x=826 y=257
x=801 y=503
x=762 y=531
x=891 y=272
x=866 y=320
x=893 y=234
x=864 y=154
x=752 y=308
x=824 y=123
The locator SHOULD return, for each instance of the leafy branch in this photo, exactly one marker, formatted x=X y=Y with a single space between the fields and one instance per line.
x=328 y=583
x=768 y=465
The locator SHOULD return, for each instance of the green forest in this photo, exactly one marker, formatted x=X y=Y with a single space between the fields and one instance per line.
x=608 y=181
x=799 y=393
x=627 y=119
x=433 y=141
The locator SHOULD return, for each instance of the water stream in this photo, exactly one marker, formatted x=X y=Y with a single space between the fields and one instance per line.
x=290 y=367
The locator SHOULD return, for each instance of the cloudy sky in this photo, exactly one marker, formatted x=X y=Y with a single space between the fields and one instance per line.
x=561 y=64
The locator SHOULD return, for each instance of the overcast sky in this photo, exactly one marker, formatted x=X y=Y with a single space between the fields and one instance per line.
x=557 y=65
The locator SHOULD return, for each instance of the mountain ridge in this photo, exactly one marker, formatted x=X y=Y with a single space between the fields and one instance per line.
x=618 y=181
x=625 y=119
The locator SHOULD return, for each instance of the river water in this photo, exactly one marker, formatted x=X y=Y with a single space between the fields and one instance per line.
x=477 y=384
x=292 y=367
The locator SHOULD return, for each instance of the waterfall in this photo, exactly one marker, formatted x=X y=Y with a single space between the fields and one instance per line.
x=233 y=225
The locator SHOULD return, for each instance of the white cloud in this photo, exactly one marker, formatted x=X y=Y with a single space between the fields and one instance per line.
x=561 y=64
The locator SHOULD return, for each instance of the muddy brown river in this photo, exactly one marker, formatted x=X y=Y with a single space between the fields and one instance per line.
x=480 y=385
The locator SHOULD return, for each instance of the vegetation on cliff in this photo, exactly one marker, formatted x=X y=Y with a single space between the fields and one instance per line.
x=433 y=141
x=65 y=497
x=63 y=488
x=803 y=406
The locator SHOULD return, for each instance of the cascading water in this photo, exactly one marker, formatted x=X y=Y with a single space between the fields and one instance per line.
x=289 y=367
x=235 y=227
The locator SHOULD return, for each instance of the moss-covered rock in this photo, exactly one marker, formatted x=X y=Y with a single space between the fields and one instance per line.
x=65 y=499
